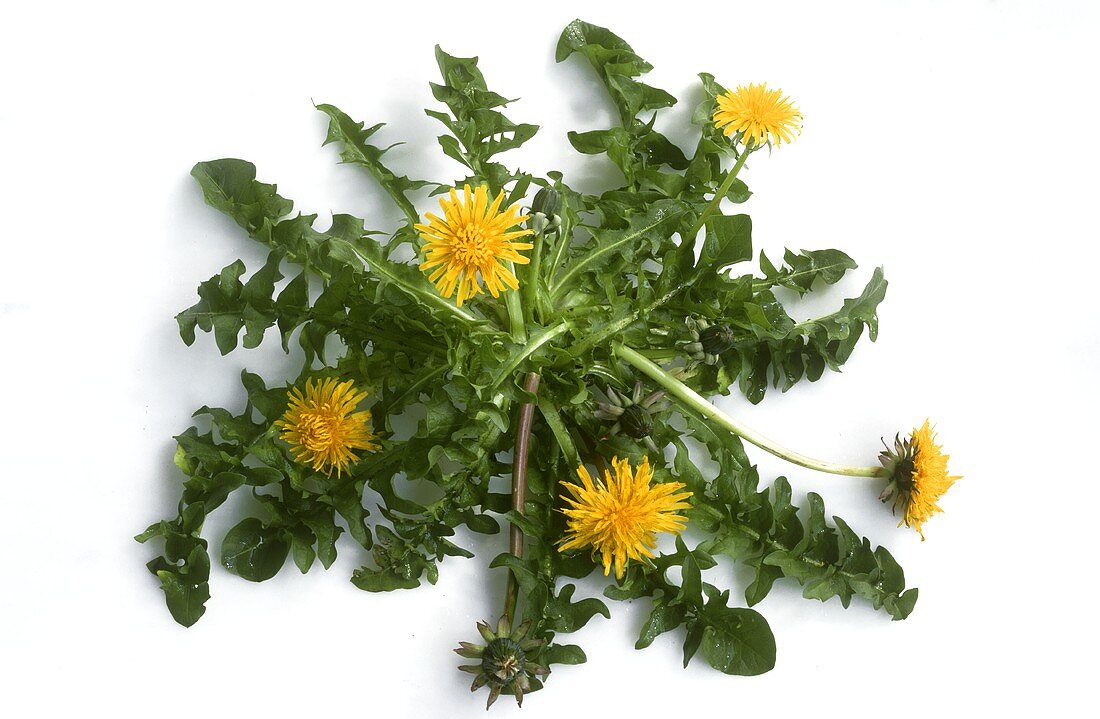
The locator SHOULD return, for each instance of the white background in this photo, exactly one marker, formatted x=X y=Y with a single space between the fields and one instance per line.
x=952 y=142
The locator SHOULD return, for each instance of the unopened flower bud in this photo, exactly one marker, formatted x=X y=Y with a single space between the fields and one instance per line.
x=716 y=339
x=636 y=422
x=546 y=202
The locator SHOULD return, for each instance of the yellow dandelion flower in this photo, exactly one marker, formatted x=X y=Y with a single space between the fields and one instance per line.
x=620 y=516
x=322 y=427
x=473 y=238
x=757 y=115
x=917 y=469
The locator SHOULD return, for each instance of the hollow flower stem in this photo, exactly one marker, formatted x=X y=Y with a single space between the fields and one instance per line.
x=519 y=488
x=721 y=192
x=517 y=327
x=693 y=399
x=531 y=287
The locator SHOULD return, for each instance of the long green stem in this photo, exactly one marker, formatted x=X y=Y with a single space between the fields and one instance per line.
x=533 y=281
x=721 y=192
x=561 y=244
x=517 y=326
x=693 y=399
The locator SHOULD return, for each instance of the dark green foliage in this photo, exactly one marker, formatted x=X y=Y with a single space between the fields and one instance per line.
x=356 y=150
x=478 y=130
x=635 y=147
x=734 y=640
x=761 y=528
x=622 y=266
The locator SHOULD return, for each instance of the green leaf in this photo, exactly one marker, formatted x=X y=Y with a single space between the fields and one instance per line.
x=226 y=305
x=771 y=349
x=691 y=584
x=693 y=639
x=766 y=574
x=186 y=600
x=664 y=618
x=409 y=281
x=230 y=185
x=349 y=504
x=254 y=551
x=616 y=63
x=739 y=192
x=291 y=307
x=635 y=147
x=301 y=548
x=606 y=246
x=728 y=241
x=183 y=576
x=563 y=654
x=322 y=525
x=483 y=523
x=565 y=615
x=803 y=269
x=846 y=324
x=372 y=580
x=478 y=130
x=738 y=641
x=356 y=150
x=762 y=529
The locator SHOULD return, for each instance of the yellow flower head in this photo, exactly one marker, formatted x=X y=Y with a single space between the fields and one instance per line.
x=322 y=427
x=620 y=516
x=758 y=115
x=918 y=476
x=472 y=238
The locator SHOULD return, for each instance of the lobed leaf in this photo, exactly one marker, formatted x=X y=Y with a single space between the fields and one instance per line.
x=356 y=150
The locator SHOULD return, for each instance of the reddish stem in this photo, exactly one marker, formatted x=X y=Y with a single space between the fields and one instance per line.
x=519 y=487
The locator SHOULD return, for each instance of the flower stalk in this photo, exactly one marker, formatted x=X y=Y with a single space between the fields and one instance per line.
x=517 y=325
x=721 y=191
x=693 y=399
x=531 y=285
x=519 y=488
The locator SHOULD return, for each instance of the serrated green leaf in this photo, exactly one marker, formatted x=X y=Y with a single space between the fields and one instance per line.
x=230 y=185
x=657 y=224
x=356 y=150
x=801 y=270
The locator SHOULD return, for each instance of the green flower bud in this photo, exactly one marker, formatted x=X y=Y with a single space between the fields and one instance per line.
x=636 y=422
x=546 y=202
x=716 y=339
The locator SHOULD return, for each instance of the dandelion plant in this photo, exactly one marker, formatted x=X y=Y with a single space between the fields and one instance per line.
x=567 y=342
